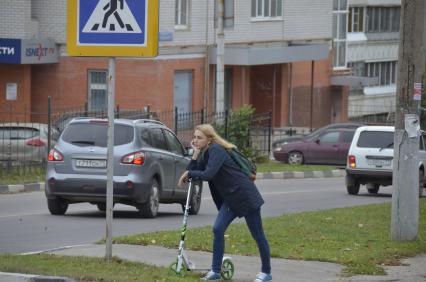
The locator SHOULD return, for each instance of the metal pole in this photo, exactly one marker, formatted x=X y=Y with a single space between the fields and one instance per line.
x=176 y=120
x=312 y=96
x=49 y=123
x=220 y=60
x=226 y=124
x=202 y=116
x=405 y=197
x=269 y=134
x=110 y=157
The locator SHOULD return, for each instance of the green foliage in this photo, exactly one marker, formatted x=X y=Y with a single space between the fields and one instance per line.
x=238 y=128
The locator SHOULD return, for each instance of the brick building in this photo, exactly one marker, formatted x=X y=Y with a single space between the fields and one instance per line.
x=278 y=58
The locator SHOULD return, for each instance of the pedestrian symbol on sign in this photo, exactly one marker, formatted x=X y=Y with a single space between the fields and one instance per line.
x=108 y=17
x=127 y=28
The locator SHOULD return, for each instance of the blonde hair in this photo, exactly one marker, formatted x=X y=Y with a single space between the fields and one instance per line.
x=210 y=133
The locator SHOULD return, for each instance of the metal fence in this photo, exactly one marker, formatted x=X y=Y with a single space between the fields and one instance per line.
x=24 y=145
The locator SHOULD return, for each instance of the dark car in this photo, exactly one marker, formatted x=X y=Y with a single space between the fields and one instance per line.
x=314 y=133
x=329 y=147
x=148 y=161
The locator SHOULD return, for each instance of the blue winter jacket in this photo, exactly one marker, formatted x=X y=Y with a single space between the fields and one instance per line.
x=226 y=181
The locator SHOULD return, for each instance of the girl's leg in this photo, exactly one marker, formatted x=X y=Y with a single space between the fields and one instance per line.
x=254 y=222
x=223 y=219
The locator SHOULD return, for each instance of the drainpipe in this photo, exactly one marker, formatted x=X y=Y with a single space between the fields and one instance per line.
x=206 y=63
x=220 y=62
x=290 y=95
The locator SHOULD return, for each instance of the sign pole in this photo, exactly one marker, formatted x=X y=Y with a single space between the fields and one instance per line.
x=100 y=28
x=110 y=157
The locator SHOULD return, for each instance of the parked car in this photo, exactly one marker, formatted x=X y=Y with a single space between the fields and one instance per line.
x=314 y=133
x=24 y=142
x=148 y=161
x=329 y=147
x=370 y=159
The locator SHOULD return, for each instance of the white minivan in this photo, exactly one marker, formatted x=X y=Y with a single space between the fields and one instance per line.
x=370 y=159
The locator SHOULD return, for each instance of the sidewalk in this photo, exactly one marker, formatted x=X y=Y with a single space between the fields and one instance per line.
x=411 y=269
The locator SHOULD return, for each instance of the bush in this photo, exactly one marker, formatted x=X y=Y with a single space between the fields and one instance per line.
x=238 y=133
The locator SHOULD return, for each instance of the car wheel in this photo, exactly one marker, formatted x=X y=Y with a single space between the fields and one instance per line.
x=150 y=208
x=57 y=206
x=101 y=206
x=421 y=182
x=373 y=188
x=353 y=189
x=295 y=158
x=195 y=200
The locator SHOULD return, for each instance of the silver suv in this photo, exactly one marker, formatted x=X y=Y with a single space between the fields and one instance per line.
x=148 y=161
x=370 y=159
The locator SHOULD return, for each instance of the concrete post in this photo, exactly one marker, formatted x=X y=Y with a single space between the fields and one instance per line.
x=405 y=197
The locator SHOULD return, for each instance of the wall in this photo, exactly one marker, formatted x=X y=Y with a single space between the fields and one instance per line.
x=15 y=19
x=295 y=25
x=139 y=82
x=51 y=17
x=19 y=109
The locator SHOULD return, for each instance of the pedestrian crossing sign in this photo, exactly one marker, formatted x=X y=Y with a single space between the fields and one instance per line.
x=112 y=28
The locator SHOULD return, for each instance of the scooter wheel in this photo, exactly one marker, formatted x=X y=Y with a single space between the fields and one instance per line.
x=173 y=268
x=228 y=268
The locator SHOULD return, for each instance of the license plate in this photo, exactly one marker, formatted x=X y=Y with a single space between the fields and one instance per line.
x=91 y=163
x=378 y=162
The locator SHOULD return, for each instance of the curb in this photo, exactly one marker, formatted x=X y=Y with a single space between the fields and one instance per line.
x=14 y=188
x=20 y=277
x=301 y=174
x=30 y=187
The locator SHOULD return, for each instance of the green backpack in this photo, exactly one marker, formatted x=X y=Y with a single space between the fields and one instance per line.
x=247 y=165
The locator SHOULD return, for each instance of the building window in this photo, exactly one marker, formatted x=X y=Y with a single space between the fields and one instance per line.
x=340 y=11
x=98 y=90
x=383 y=19
x=228 y=13
x=385 y=71
x=181 y=13
x=266 y=9
x=356 y=19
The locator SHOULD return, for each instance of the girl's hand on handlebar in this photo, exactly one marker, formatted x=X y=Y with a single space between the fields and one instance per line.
x=183 y=179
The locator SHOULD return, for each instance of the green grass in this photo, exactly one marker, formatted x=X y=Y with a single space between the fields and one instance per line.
x=358 y=238
x=22 y=175
x=89 y=269
x=279 y=166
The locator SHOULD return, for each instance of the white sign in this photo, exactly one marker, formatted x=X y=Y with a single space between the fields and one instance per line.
x=417 y=93
x=11 y=91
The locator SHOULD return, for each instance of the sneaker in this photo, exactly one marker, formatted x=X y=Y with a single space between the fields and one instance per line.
x=212 y=276
x=262 y=277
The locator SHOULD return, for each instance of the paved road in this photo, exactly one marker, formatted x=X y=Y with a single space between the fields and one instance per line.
x=27 y=226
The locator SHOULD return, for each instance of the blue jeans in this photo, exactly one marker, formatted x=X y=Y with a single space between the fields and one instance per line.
x=254 y=223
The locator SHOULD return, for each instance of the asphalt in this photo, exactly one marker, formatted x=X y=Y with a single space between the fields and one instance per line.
x=246 y=267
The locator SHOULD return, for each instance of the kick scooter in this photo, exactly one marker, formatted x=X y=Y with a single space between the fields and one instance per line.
x=183 y=264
